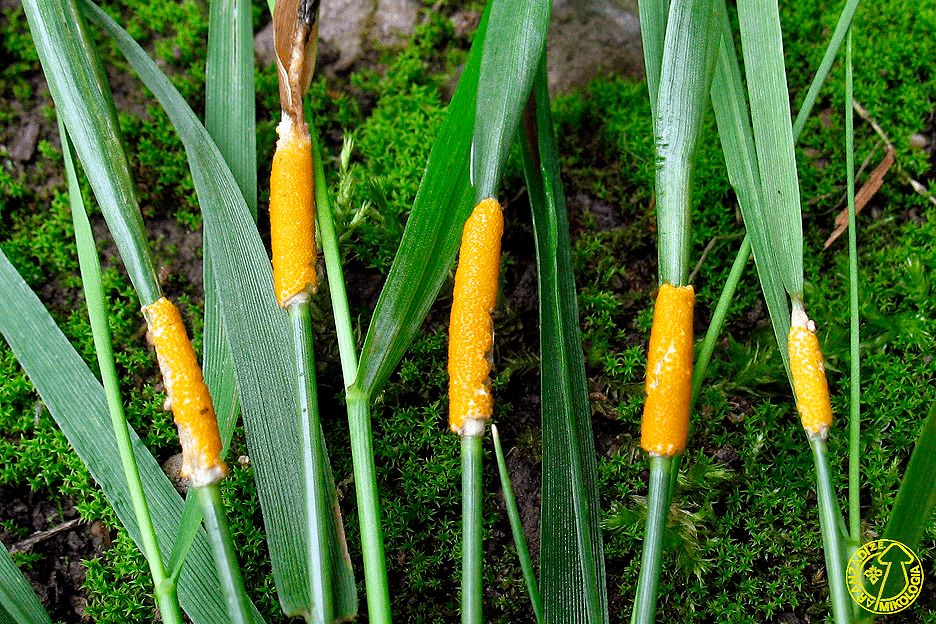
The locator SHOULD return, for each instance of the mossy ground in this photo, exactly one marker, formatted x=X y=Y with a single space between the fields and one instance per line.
x=744 y=545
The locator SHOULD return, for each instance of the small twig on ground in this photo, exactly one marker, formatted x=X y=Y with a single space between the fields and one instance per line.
x=41 y=536
x=863 y=196
x=707 y=249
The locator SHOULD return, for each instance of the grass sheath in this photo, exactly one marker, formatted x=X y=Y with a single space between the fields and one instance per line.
x=471 y=331
x=665 y=423
x=658 y=499
x=222 y=546
x=808 y=370
x=187 y=395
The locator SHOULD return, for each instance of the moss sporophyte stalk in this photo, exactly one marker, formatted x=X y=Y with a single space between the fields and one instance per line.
x=471 y=331
x=665 y=423
x=808 y=370
x=187 y=395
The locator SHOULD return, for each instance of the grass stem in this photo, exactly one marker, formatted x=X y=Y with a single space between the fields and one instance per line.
x=830 y=519
x=472 y=551
x=222 y=546
x=90 y=268
x=658 y=499
x=313 y=462
x=718 y=317
x=854 y=419
x=359 y=421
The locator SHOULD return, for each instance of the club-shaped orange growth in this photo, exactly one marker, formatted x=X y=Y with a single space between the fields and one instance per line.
x=292 y=214
x=187 y=395
x=665 y=423
x=809 y=379
x=292 y=193
x=471 y=331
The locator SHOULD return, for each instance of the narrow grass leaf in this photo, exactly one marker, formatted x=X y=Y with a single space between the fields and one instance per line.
x=77 y=403
x=259 y=331
x=83 y=99
x=512 y=49
x=17 y=598
x=572 y=574
x=835 y=42
x=230 y=118
x=653 y=16
x=762 y=45
x=230 y=96
x=685 y=82
x=432 y=235
x=516 y=528
x=912 y=513
x=737 y=139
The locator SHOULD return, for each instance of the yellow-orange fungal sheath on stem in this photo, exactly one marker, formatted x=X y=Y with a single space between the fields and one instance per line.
x=665 y=423
x=471 y=331
x=187 y=395
x=809 y=379
x=292 y=214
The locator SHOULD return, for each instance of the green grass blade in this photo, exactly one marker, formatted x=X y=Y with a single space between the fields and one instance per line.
x=259 y=330
x=572 y=575
x=835 y=42
x=737 y=139
x=313 y=466
x=512 y=49
x=912 y=513
x=83 y=99
x=516 y=528
x=77 y=403
x=658 y=500
x=472 y=546
x=17 y=598
x=230 y=118
x=854 y=377
x=230 y=98
x=433 y=233
x=653 y=16
x=762 y=44
x=830 y=519
x=718 y=320
x=689 y=51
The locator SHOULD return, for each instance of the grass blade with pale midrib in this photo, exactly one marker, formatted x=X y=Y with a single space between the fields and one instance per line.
x=512 y=50
x=572 y=575
x=18 y=602
x=83 y=99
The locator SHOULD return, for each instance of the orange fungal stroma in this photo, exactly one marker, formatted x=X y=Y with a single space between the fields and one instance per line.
x=809 y=379
x=665 y=423
x=187 y=395
x=292 y=215
x=471 y=331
